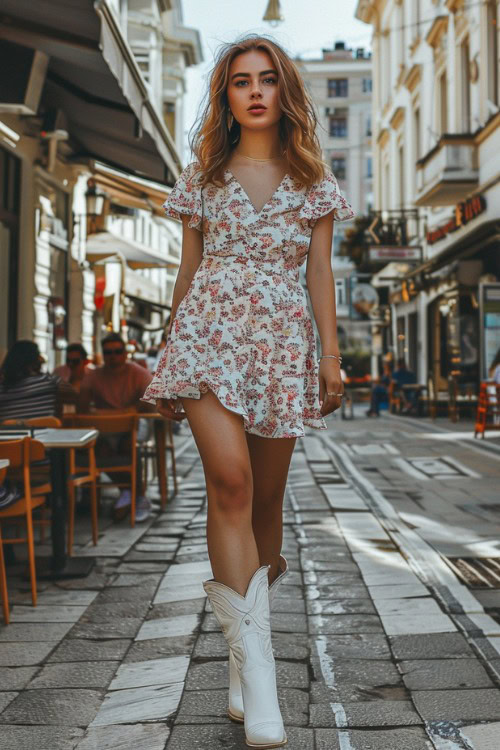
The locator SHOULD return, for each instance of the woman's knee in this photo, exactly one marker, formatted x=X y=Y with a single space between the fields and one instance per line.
x=230 y=490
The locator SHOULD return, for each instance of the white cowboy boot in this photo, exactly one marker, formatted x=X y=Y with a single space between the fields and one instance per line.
x=235 y=710
x=245 y=624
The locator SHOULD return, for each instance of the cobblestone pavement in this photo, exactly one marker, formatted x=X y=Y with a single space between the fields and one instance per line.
x=378 y=644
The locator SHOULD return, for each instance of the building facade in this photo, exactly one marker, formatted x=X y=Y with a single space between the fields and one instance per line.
x=90 y=142
x=436 y=131
x=340 y=84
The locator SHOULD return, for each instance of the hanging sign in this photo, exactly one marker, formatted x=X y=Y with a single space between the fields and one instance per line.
x=388 y=253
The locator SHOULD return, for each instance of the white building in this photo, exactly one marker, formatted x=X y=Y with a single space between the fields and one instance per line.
x=340 y=84
x=436 y=135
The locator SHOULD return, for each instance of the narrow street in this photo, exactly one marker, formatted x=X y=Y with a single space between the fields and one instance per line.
x=379 y=644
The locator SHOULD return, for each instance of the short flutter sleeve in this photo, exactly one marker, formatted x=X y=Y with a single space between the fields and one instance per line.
x=185 y=197
x=324 y=197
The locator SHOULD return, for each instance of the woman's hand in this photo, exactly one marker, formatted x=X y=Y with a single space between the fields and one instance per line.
x=330 y=381
x=167 y=408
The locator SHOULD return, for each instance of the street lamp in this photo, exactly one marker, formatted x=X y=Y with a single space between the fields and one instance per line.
x=273 y=13
x=95 y=199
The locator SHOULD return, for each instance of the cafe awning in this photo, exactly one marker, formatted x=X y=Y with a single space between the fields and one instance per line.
x=106 y=246
x=94 y=82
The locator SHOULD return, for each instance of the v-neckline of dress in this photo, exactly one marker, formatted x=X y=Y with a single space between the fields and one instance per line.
x=257 y=213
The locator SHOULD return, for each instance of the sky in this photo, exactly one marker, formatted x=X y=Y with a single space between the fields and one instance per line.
x=309 y=26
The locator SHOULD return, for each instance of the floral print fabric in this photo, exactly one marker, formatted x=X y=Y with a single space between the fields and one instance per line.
x=243 y=329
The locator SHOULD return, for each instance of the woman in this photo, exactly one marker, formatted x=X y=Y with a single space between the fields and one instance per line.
x=26 y=392
x=241 y=355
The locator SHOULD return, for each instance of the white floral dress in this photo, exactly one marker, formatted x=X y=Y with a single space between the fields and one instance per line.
x=243 y=329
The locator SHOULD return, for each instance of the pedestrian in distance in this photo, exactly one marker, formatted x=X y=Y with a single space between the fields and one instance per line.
x=380 y=391
x=240 y=360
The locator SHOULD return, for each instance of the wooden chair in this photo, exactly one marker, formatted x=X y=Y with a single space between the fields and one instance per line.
x=169 y=445
x=113 y=423
x=21 y=453
x=394 y=398
x=156 y=451
x=436 y=398
x=78 y=476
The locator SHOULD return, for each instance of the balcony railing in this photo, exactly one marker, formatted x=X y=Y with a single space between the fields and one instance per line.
x=448 y=172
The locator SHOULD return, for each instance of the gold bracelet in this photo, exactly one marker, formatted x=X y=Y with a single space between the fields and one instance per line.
x=330 y=356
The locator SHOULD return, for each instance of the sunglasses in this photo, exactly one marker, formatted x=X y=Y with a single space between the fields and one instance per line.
x=110 y=352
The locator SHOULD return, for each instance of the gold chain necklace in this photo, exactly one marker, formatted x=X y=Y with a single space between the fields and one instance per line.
x=273 y=158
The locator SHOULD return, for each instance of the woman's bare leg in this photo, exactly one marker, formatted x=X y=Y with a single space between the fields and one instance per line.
x=270 y=461
x=220 y=439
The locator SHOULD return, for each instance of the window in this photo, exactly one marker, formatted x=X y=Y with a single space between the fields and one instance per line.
x=338 y=125
x=369 y=167
x=338 y=167
x=338 y=87
x=492 y=42
x=465 y=85
x=369 y=125
x=367 y=85
x=443 y=103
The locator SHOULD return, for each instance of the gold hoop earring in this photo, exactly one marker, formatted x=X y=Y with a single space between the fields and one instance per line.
x=230 y=119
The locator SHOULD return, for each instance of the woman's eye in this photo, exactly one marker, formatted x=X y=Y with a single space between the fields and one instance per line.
x=270 y=80
x=240 y=83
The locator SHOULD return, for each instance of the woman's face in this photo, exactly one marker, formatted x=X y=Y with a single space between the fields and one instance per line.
x=252 y=90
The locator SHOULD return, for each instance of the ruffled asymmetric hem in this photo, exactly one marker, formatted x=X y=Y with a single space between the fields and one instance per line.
x=232 y=403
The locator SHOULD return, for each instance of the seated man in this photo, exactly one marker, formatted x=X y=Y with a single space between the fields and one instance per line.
x=26 y=392
x=402 y=376
x=76 y=366
x=118 y=384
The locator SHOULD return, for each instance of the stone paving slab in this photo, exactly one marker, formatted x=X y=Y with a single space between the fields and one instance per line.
x=49 y=706
x=149 y=703
x=136 y=737
x=39 y=737
x=439 y=674
x=93 y=674
x=394 y=739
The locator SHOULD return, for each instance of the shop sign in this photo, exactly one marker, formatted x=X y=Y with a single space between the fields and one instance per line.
x=464 y=212
x=388 y=253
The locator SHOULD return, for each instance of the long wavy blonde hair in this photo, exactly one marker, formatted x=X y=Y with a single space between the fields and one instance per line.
x=213 y=141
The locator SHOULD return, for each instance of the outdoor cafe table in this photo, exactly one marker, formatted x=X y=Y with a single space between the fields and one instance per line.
x=58 y=441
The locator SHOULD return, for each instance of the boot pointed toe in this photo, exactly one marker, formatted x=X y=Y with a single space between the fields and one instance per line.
x=266 y=735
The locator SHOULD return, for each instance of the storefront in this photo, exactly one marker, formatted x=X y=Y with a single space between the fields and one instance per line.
x=451 y=304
